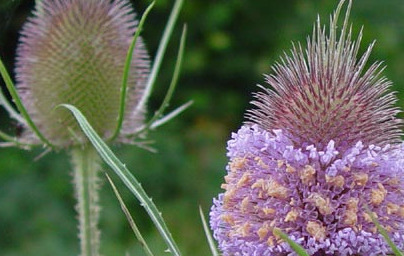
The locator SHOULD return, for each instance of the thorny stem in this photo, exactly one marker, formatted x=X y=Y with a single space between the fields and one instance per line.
x=86 y=163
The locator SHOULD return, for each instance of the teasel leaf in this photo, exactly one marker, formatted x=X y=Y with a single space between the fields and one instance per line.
x=126 y=176
x=130 y=219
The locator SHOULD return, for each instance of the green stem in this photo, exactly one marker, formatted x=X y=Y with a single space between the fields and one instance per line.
x=86 y=164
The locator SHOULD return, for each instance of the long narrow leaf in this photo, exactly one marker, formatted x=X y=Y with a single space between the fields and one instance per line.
x=173 y=83
x=211 y=242
x=296 y=247
x=165 y=118
x=160 y=53
x=6 y=137
x=12 y=141
x=13 y=92
x=127 y=178
x=174 y=79
x=127 y=70
x=13 y=113
x=171 y=115
x=132 y=223
x=384 y=233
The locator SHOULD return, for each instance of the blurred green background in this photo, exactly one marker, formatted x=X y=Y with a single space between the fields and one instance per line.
x=231 y=43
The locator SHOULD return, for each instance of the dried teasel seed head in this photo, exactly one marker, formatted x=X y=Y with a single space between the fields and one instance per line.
x=74 y=51
x=325 y=93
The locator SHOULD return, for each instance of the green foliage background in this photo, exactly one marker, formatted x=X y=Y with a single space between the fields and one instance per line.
x=231 y=43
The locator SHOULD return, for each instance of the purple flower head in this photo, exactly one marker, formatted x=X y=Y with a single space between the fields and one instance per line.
x=317 y=151
x=74 y=51
x=315 y=196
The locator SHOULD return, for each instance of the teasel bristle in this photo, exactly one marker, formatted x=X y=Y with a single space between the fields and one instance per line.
x=325 y=92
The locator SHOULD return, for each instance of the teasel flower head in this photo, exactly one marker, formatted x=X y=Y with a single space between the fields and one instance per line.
x=324 y=93
x=73 y=52
x=319 y=155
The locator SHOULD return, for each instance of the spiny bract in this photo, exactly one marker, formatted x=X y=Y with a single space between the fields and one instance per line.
x=323 y=93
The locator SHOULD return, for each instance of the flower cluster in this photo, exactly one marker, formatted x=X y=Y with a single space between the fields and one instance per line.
x=317 y=197
x=319 y=155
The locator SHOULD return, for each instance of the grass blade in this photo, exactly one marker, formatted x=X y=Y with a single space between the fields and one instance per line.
x=13 y=92
x=128 y=62
x=132 y=223
x=296 y=247
x=211 y=242
x=384 y=233
x=160 y=53
x=127 y=178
